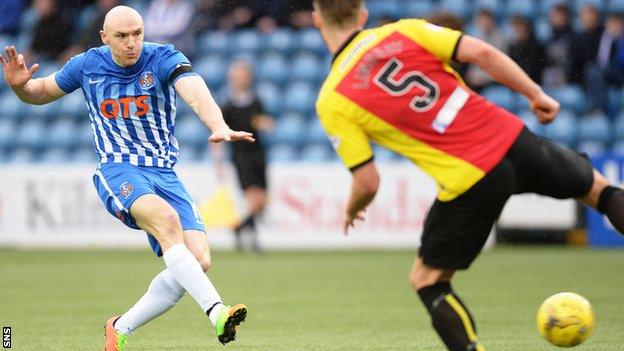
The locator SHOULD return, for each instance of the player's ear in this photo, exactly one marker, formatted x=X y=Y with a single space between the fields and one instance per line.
x=317 y=20
x=363 y=18
x=104 y=37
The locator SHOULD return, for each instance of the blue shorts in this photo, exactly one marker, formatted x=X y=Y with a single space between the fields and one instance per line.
x=120 y=184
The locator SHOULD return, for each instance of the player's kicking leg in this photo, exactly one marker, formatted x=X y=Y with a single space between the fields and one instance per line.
x=187 y=258
x=607 y=199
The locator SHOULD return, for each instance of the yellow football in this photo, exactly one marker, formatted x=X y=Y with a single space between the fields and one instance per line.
x=565 y=319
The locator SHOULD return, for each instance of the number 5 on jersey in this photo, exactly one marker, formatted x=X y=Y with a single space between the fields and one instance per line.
x=386 y=80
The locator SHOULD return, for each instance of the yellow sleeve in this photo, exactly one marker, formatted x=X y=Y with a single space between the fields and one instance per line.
x=440 y=41
x=347 y=137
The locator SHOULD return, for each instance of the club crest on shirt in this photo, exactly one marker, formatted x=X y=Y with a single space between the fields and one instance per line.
x=125 y=189
x=146 y=80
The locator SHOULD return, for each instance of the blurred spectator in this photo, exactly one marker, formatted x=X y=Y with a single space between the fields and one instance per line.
x=90 y=37
x=234 y=14
x=450 y=20
x=585 y=47
x=51 y=32
x=608 y=72
x=525 y=49
x=243 y=111
x=299 y=13
x=168 y=21
x=487 y=31
x=558 y=47
x=11 y=15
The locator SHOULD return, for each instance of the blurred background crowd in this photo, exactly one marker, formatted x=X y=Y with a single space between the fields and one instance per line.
x=574 y=48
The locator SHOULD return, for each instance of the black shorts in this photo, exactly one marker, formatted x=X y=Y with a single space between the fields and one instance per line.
x=251 y=171
x=455 y=231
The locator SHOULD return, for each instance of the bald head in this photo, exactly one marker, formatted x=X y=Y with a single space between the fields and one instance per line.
x=121 y=17
x=123 y=33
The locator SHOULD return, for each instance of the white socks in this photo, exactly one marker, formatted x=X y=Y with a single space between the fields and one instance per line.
x=188 y=273
x=163 y=293
x=183 y=274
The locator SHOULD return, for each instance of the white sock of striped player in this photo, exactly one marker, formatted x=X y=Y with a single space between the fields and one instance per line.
x=163 y=293
x=187 y=271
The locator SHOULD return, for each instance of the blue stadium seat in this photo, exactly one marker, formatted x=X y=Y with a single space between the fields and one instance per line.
x=23 y=155
x=31 y=134
x=8 y=129
x=271 y=67
x=306 y=67
x=571 y=97
x=502 y=97
x=316 y=152
x=213 y=69
x=271 y=96
x=526 y=8
x=460 y=8
x=300 y=96
x=281 y=40
x=54 y=155
x=311 y=40
x=191 y=132
x=74 y=105
x=289 y=128
x=316 y=133
x=62 y=133
x=214 y=43
x=246 y=41
x=84 y=155
x=83 y=133
x=418 y=9
x=543 y=32
x=595 y=128
x=531 y=122
x=282 y=153
x=618 y=127
x=563 y=130
x=391 y=8
x=616 y=5
x=618 y=148
x=85 y=17
x=592 y=148
x=614 y=101
x=44 y=111
x=12 y=108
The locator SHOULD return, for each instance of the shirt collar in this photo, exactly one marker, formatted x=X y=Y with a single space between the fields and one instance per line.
x=345 y=44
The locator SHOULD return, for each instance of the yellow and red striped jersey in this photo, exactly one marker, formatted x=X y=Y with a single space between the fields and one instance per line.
x=392 y=85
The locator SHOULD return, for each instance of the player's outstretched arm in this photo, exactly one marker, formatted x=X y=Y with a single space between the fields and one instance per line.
x=31 y=91
x=505 y=71
x=364 y=187
x=194 y=91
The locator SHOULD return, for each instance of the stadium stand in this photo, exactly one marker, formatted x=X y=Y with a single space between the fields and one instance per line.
x=290 y=65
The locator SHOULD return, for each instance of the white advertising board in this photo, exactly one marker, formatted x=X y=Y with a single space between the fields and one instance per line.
x=57 y=206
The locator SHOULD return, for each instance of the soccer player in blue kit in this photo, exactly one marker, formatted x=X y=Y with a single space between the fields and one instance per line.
x=130 y=90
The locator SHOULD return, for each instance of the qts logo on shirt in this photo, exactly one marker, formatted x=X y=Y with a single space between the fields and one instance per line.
x=111 y=108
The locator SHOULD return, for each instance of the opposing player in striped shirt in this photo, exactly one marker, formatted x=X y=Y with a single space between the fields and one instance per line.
x=393 y=85
x=130 y=91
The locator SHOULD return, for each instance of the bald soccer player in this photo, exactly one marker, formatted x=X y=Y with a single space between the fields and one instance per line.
x=130 y=89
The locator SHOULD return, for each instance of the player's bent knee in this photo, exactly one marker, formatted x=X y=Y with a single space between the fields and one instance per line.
x=204 y=262
x=422 y=276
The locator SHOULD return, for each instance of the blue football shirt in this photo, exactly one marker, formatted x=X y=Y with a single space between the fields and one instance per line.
x=132 y=109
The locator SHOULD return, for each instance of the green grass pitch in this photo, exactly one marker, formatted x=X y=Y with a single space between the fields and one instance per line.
x=59 y=300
